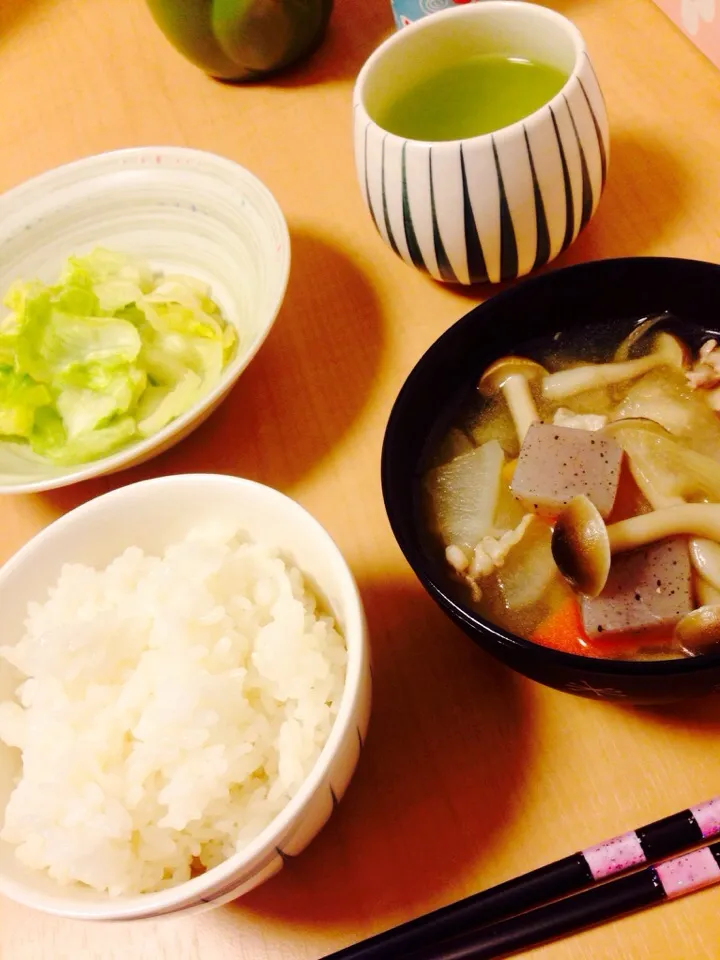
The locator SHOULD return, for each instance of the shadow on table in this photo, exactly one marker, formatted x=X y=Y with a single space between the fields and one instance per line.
x=299 y=396
x=701 y=716
x=356 y=28
x=637 y=211
x=13 y=13
x=629 y=222
x=439 y=781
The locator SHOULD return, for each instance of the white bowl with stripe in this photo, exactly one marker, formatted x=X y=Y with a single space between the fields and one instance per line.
x=496 y=206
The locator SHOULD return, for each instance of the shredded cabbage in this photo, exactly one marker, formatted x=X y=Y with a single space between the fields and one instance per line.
x=110 y=354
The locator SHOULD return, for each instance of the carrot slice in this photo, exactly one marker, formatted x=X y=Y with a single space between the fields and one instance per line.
x=563 y=630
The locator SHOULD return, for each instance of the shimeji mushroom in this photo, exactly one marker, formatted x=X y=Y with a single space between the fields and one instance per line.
x=582 y=545
x=669 y=352
x=705 y=558
x=638 y=333
x=705 y=592
x=698 y=629
x=512 y=375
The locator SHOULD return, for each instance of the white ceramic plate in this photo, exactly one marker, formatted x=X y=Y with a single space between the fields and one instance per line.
x=184 y=211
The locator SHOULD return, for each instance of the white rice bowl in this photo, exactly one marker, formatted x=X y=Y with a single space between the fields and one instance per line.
x=168 y=708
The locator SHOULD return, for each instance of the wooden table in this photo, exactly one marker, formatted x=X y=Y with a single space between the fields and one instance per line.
x=471 y=773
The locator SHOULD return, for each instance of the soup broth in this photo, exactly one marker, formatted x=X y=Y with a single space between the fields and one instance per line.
x=575 y=434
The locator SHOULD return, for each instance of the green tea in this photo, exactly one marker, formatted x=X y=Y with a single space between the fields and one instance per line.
x=472 y=97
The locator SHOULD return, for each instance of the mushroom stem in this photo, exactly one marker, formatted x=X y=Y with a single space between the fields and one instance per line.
x=637 y=334
x=567 y=383
x=510 y=375
x=693 y=519
x=705 y=558
x=705 y=592
x=520 y=403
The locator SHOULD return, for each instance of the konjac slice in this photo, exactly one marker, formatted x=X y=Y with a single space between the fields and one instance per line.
x=464 y=495
x=559 y=463
x=647 y=590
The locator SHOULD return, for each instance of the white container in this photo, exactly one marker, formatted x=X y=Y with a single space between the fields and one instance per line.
x=152 y=514
x=184 y=211
x=496 y=206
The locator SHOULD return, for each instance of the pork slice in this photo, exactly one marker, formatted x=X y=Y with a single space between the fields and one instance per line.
x=647 y=589
x=558 y=463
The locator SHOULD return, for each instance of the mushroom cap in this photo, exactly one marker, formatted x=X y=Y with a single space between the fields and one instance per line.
x=499 y=371
x=581 y=548
x=699 y=628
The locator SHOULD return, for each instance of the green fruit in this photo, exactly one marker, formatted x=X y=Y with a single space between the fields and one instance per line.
x=242 y=39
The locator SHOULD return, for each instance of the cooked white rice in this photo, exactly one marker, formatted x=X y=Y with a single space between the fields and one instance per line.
x=169 y=708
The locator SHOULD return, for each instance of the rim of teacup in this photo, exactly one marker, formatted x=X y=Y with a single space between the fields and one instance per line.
x=469 y=11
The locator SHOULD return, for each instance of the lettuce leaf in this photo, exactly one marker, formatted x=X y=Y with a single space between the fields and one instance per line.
x=106 y=266
x=102 y=397
x=160 y=405
x=50 y=439
x=109 y=354
x=20 y=399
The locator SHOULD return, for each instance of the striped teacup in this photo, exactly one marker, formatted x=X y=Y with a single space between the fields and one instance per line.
x=496 y=206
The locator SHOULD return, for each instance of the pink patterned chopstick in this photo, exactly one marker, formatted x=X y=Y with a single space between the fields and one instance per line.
x=601 y=903
x=662 y=839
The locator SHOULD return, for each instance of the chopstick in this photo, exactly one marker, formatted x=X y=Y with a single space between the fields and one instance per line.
x=664 y=838
x=608 y=901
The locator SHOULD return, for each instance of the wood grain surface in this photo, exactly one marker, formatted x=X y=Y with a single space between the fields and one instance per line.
x=471 y=773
